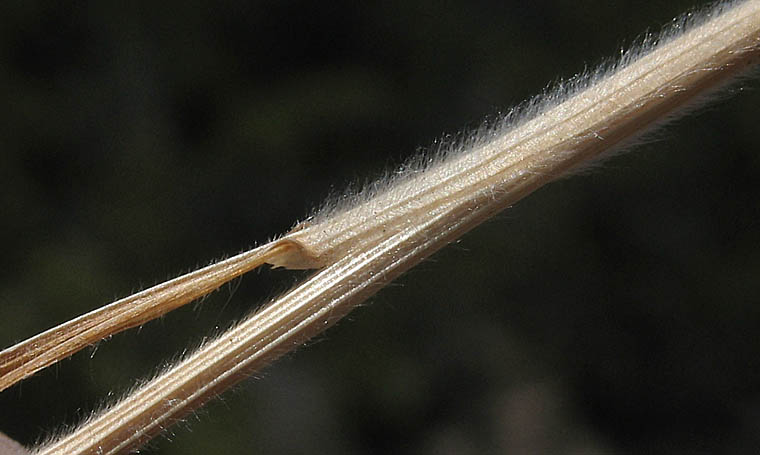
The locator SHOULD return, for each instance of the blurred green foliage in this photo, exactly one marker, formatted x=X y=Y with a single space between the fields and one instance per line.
x=616 y=311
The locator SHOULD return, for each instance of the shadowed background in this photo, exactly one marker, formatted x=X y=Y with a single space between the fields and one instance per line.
x=611 y=312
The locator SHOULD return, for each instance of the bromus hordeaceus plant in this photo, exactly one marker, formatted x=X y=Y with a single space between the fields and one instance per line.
x=362 y=244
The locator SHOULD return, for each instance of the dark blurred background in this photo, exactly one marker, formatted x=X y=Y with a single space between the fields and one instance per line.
x=611 y=312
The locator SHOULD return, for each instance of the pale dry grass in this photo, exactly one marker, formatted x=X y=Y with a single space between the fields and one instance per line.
x=362 y=246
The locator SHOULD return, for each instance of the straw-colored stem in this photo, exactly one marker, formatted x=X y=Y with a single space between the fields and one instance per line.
x=374 y=243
